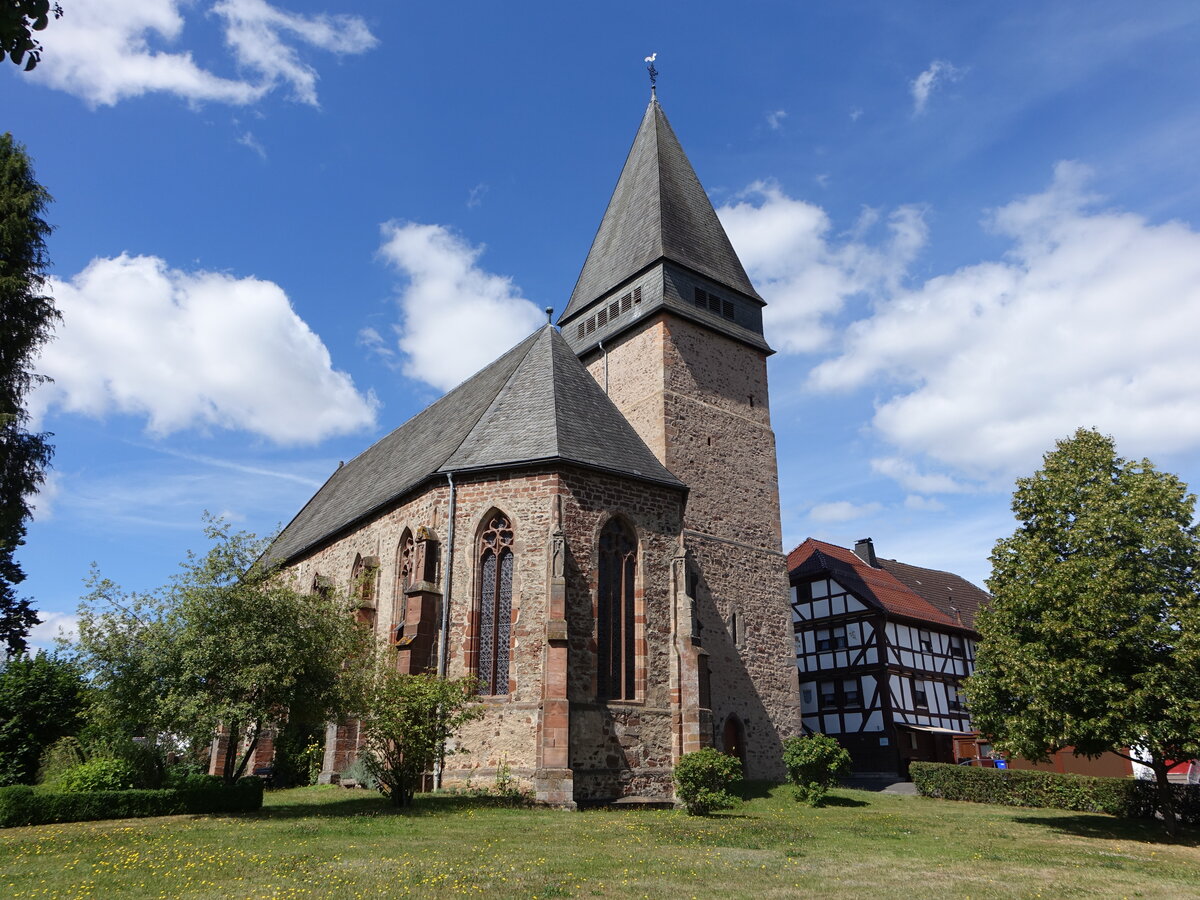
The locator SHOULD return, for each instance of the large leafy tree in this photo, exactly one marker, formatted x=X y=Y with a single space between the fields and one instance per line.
x=27 y=317
x=19 y=19
x=1092 y=639
x=42 y=698
x=228 y=643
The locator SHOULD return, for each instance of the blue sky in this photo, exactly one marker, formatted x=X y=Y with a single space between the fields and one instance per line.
x=285 y=227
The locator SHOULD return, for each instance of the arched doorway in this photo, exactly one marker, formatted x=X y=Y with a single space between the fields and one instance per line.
x=734 y=738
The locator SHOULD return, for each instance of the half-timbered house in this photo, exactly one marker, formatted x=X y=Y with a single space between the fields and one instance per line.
x=882 y=649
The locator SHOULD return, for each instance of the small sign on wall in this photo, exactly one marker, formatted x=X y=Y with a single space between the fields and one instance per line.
x=883 y=742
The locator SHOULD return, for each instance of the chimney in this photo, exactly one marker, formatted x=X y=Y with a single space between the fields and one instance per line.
x=864 y=549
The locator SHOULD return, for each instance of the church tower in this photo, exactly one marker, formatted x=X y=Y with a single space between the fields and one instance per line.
x=667 y=322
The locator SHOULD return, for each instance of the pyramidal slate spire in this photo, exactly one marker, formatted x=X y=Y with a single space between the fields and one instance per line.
x=659 y=215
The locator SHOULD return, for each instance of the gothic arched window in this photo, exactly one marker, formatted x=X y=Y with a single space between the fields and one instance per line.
x=404 y=579
x=362 y=586
x=616 y=613
x=495 y=603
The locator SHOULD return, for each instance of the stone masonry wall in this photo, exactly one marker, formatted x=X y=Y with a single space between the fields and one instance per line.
x=715 y=435
x=621 y=747
x=635 y=380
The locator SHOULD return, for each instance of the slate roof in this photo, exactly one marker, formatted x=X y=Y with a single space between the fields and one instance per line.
x=884 y=588
x=658 y=210
x=536 y=402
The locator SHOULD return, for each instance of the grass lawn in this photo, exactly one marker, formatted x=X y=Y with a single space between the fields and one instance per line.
x=332 y=842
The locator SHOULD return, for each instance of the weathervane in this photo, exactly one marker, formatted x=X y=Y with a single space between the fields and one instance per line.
x=653 y=71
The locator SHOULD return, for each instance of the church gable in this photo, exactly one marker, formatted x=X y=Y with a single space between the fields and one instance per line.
x=535 y=403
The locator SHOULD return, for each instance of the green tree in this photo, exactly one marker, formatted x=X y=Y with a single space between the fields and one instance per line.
x=228 y=643
x=42 y=699
x=27 y=317
x=19 y=19
x=1092 y=639
x=408 y=721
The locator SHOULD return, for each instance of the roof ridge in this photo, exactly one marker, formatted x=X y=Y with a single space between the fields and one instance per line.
x=558 y=407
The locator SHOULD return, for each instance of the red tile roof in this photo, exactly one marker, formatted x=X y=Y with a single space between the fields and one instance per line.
x=953 y=595
x=879 y=586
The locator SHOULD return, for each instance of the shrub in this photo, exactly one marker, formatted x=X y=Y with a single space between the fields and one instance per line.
x=409 y=723
x=98 y=775
x=144 y=758
x=1019 y=787
x=1126 y=797
x=64 y=754
x=23 y=805
x=814 y=764
x=705 y=781
x=42 y=699
x=299 y=753
x=362 y=772
x=190 y=778
x=810 y=793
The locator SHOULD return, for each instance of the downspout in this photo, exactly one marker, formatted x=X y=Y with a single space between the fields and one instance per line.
x=600 y=344
x=443 y=638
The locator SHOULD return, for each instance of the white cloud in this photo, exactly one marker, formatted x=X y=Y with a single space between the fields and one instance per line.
x=455 y=318
x=258 y=34
x=105 y=51
x=53 y=625
x=775 y=119
x=475 y=196
x=373 y=341
x=43 y=500
x=923 y=85
x=842 y=511
x=1090 y=320
x=907 y=475
x=252 y=143
x=923 y=504
x=188 y=350
x=806 y=275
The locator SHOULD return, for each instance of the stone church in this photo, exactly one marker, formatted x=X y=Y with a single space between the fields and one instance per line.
x=590 y=525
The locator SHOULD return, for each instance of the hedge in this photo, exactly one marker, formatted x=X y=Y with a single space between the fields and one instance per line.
x=1126 y=797
x=23 y=805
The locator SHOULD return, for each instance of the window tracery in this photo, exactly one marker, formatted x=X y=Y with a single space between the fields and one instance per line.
x=495 y=560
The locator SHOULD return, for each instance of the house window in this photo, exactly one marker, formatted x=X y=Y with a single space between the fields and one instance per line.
x=616 y=613
x=495 y=604
x=831 y=638
x=829 y=698
x=920 y=699
x=925 y=639
x=851 y=692
x=957 y=701
x=956 y=645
